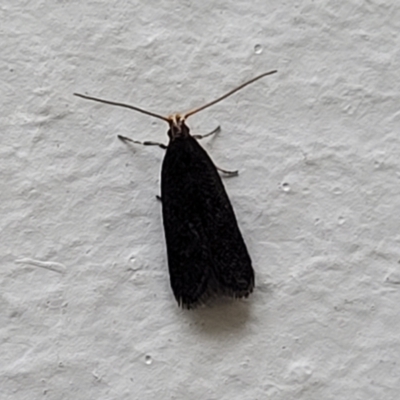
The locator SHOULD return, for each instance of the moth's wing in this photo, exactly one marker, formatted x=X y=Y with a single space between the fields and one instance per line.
x=206 y=251
x=189 y=256
x=231 y=261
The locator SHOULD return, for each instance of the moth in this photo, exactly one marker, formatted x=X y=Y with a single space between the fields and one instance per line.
x=206 y=252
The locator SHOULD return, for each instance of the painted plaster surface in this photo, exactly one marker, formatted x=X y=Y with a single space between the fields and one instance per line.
x=86 y=311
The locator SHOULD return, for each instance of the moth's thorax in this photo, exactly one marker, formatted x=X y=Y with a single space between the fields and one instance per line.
x=177 y=127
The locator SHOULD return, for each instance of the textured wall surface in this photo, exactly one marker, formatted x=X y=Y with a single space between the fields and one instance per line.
x=86 y=311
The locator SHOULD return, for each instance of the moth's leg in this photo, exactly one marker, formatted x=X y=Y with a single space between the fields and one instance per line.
x=146 y=143
x=231 y=173
x=216 y=130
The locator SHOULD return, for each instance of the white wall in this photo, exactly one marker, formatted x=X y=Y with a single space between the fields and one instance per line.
x=86 y=307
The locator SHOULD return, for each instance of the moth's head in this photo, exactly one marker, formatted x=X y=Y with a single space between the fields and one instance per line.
x=177 y=126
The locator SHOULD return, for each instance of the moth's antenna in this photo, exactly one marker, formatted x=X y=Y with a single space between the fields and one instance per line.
x=196 y=110
x=113 y=103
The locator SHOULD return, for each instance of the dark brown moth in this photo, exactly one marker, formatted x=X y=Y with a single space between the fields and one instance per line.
x=206 y=252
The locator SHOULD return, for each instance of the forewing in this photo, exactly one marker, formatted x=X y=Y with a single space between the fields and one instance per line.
x=231 y=260
x=189 y=256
